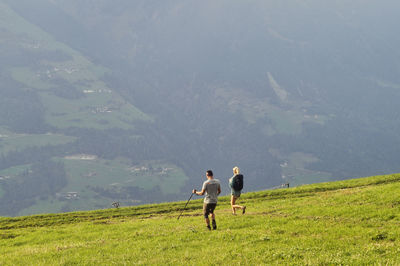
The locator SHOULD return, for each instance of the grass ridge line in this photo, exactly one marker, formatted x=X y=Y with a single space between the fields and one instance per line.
x=143 y=211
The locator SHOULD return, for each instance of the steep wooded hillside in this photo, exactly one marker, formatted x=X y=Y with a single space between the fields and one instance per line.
x=119 y=100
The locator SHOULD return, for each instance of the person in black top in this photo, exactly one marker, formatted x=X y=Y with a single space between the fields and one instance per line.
x=236 y=184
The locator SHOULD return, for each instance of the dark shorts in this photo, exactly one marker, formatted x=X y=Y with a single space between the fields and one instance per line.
x=208 y=208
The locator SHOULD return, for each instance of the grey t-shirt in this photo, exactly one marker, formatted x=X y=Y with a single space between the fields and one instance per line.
x=211 y=190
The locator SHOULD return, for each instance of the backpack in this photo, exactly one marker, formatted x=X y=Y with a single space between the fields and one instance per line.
x=238 y=182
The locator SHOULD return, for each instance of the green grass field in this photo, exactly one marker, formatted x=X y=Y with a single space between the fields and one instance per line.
x=18 y=142
x=110 y=175
x=352 y=222
x=100 y=107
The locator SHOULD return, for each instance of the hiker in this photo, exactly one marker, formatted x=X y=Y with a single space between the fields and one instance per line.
x=212 y=188
x=236 y=184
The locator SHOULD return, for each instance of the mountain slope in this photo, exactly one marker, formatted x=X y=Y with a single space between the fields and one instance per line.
x=260 y=80
x=347 y=222
x=156 y=92
x=63 y=130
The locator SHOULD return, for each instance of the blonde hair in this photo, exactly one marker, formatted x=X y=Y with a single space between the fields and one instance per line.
x=236 y=170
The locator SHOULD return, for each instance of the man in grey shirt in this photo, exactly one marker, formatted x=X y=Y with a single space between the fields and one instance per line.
x=212 y=188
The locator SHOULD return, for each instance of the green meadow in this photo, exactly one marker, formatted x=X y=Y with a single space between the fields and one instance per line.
x=352 y=222
x=18 y=142
x=85 y=100
x=98 y=183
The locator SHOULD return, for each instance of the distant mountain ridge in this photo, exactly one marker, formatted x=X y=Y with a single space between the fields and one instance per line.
x=296 y=92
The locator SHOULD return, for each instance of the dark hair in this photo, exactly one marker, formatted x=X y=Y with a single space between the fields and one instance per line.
x=209 y=173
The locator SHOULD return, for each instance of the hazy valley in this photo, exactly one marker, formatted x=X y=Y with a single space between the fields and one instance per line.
x=131 y=101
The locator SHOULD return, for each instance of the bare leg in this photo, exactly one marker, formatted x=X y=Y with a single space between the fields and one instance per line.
x=233 y=200
x=234 y=206
x=214 y=224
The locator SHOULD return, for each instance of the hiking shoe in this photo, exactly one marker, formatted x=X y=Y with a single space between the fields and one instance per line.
x=244 y=210
x=208 y=227
x=214 y=224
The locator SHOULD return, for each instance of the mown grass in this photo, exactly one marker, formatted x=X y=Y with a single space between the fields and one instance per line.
x=347 y=222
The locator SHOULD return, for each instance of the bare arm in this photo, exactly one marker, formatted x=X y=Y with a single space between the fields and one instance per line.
x=200 y=193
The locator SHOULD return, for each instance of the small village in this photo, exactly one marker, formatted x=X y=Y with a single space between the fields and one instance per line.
x=67 y=196
x=150 y=170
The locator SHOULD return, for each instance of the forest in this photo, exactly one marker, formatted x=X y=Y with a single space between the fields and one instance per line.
x=288 y=91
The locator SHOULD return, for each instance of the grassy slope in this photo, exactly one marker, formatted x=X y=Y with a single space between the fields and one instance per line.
x=100 y=108
x=350 y=222
x=18 y=142
x=112 y=175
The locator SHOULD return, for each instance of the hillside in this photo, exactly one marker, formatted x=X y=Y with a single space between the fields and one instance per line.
x=64 y=131
x=345 y=222
x=132 y=101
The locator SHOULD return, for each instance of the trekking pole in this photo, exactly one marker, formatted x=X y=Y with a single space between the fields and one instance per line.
x=185 y=205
